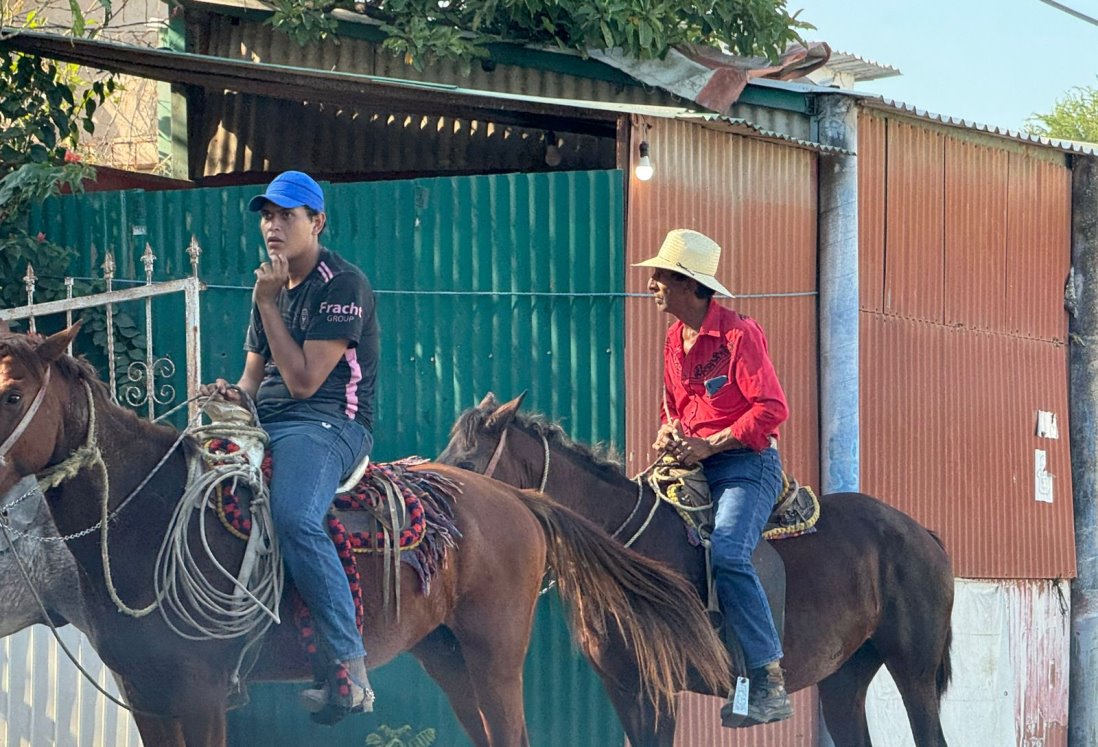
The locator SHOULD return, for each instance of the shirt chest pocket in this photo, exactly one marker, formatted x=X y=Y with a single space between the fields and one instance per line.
x=715 y=385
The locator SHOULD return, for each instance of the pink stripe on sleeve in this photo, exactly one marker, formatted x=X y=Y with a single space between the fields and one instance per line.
x=352 y=383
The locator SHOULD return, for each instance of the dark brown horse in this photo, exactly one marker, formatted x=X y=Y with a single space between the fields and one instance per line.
x=870 y=587
x=470 y=631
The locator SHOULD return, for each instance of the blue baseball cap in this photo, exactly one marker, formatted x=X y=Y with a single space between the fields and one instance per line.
x=291 y=189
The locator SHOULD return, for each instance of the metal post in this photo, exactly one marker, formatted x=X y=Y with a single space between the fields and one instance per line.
x=29 y=280
x=108 y=276
x=838 y=263
x=1082 y=304
x=840 y=468
x=192 y=303
x=147 y=259
x=68 y=312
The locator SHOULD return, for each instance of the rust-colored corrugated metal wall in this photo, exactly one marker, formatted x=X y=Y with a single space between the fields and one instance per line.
x=699 y=724
x=964 y=249
x=758 y=200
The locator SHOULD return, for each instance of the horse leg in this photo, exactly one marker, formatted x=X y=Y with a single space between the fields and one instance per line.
x=440 y=655
x=205 y=729
x=615 y=664
x=159 y=731
x=915 y=648
x=920 y=694
x=493 y=644
x=643 y=725
x=843 y=698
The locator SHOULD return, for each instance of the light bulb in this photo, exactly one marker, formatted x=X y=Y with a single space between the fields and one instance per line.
x=552 y=149
x=643 y=170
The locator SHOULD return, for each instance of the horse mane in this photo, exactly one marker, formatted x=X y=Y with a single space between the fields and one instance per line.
x=602 y=459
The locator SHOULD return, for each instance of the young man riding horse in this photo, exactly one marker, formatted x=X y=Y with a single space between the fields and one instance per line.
x=311 y=367
x=722 y=408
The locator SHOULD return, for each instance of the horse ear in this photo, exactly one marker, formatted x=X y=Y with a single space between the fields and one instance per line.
x=54 y=346
x=504 y=414
x=489 y=401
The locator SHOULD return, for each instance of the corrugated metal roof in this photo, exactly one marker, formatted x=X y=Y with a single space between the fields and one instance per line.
x=859 y=67
x=291 y=82
x=308 y=84
x=1068 y=146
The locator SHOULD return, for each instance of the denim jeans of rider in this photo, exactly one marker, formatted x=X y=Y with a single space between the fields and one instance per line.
x=744 y=485
x=309 y=458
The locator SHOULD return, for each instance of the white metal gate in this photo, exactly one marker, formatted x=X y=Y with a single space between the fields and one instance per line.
x=44 y=700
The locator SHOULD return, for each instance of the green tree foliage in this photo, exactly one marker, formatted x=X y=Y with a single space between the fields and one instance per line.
x=41 y=118
x=1073 y=117
x=425 y=30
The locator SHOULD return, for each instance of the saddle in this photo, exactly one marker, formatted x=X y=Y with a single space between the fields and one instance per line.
x=795 y=512
x=383 y=508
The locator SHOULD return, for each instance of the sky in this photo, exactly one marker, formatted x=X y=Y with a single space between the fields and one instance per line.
x=995 y=62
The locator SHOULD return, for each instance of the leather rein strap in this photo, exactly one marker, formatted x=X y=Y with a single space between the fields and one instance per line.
x=494 y=461
x=25 y=422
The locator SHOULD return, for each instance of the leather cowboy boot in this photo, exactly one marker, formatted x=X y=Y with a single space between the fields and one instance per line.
x=357 y=697
x=767 y=701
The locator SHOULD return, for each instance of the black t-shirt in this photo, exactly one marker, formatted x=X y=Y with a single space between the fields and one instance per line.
x=335 y=301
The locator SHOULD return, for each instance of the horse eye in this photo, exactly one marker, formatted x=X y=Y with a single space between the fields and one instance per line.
x=14 y=398
x=467 y=466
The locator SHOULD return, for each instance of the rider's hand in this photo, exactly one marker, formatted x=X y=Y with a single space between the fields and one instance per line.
x=221 y=388
x=270 y=278
x=667 y=435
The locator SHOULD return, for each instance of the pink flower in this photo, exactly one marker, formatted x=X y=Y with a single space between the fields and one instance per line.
x=41 y=237
x=71 y=157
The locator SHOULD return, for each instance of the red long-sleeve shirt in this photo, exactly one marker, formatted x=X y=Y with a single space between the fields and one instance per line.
x=727 y=379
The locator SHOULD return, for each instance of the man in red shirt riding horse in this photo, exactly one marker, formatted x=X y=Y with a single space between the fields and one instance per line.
x=722 y=408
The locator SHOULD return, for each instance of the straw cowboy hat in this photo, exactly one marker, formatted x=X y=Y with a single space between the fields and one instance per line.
x=692 y=254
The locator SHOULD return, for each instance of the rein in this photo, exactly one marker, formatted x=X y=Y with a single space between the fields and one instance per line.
x=25 y=421
x=636 y=507
x=494 y=461
x=616 y=534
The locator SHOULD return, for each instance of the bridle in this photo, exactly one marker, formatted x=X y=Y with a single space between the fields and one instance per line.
x=25 y=421
x=494 y=461
x=616 y=534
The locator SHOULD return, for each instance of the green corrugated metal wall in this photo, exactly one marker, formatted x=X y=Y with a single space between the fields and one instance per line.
x=506 y=283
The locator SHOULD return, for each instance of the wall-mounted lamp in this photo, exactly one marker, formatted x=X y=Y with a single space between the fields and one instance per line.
x=552 y=149
x=643 y=169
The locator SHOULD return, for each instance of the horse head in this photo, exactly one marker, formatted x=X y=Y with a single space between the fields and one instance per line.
x=32 y=410
x=479 y=436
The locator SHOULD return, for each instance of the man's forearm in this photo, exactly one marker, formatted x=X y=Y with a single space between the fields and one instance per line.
x=285 y=352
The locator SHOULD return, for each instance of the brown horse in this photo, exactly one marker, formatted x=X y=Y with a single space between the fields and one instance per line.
x=870 y=587
x=470 y=632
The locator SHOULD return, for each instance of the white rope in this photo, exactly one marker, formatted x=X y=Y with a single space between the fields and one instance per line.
x=193 y=606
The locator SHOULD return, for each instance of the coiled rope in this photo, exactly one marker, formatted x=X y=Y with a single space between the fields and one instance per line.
x=192 y=605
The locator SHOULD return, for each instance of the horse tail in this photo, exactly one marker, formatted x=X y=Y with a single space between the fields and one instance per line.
x=655 y=610
x=945 y=666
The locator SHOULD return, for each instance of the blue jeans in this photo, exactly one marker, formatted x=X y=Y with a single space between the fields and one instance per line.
x=744 y=485
x=309 y=458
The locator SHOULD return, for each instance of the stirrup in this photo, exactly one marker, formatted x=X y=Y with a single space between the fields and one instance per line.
x=316 y=699
x=356 y=474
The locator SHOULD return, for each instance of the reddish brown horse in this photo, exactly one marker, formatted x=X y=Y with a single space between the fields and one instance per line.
x=470 y=631
x=870 y=587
